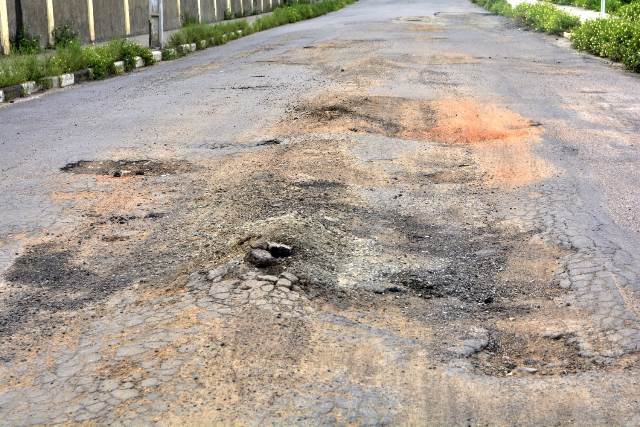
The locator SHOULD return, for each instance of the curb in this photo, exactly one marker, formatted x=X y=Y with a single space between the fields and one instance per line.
x=23 y=90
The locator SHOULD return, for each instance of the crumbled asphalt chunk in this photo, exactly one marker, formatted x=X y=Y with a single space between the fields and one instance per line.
x=261 y=258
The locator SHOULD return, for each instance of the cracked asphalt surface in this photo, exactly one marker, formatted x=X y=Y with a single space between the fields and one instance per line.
x=461 y=198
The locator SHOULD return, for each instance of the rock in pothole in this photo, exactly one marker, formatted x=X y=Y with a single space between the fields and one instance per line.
x=278 y=250
x=261 y=258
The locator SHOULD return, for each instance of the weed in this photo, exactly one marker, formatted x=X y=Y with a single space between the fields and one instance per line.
x=25 y=43
x=64 y=35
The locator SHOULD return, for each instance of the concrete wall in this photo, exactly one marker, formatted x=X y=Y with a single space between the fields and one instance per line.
x=189 y=8
x=236 y=8
x=33 y=18
x=221 y=5
x=247 y=7
x=74 y=13
x=171 y=18
x=109 y=19
x=208 y=10
x=139 y=16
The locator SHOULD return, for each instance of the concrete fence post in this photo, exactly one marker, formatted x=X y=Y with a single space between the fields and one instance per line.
x=51 y=23
x=127 y=18
x=179 y=12
x=92 y=25
x=5 y=41
x=199 y=11
x=156 y=24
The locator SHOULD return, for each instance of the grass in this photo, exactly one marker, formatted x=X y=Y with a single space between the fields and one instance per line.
x=70 y=56
x=216 y=34
x=19 y=68
x=500 y=7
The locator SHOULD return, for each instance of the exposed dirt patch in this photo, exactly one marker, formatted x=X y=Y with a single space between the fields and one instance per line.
x=121 y=168
x=390 y=116
x=501 y=139
x=513 y=353
x=470 y=122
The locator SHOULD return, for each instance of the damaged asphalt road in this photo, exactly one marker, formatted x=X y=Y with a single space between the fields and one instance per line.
x=424 y=216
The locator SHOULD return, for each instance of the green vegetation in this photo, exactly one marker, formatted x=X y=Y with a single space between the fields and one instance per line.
x=216 y=34
x=25 y=43
x=612 y=5
x=545 y=17
x=615 y=38
x=64 y=35
x=28 y=64
x=501 y=7
x=630 y=12
x=298 y=12
x=69 y=58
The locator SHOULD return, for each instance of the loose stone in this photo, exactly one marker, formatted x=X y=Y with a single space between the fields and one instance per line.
x=261 y=258
x=290 y=277
x=284 y=283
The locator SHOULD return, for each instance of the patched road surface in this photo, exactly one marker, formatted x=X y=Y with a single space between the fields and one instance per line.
x=404 y=212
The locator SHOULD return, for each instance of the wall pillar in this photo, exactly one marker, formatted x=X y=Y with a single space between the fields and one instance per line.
x=127 y=18
x=179 y=13
x=90 y=20
x=51 y=24
x=199 y=11
x=5 y=41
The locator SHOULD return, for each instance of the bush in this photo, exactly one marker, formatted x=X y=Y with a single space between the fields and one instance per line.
x=545 y=17
x=68 y=58
x=64 y=35
x=501 y=7
x=612 y=5
x=614 y=38
x=25 y=43
x=18 y=68
x=630 y=12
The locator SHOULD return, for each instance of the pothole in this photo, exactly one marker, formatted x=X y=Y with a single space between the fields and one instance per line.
x=122 y=168
x=389 y=116
x=513 y=353
x=413 y=20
